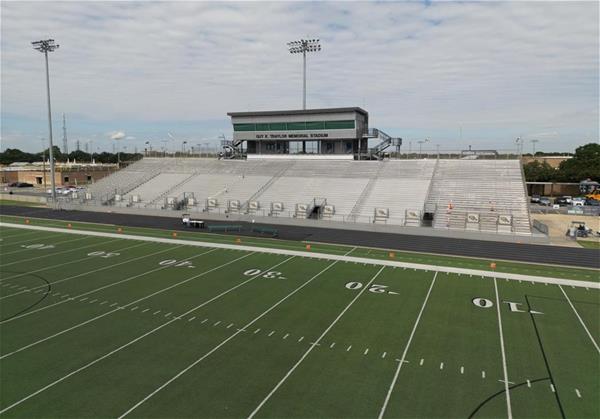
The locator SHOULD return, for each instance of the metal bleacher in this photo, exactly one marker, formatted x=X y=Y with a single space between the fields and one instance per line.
x=482 y=195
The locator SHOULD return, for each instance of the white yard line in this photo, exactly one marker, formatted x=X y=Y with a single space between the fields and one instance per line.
x=96 y=289
x=63 y=264
x=43 y=256
x=20 y=234
x=95 y=361
x=216 y=348
x=130 y=303
x=325 y=256
x=504 y=367
x=412 y=333
x=303 y=357
x=350 y=251
x=580 y=320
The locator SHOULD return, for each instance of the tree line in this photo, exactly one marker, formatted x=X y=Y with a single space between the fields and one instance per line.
x=585 y=164
x=13 y=155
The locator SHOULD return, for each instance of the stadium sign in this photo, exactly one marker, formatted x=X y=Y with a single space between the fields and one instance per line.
x=291 y=136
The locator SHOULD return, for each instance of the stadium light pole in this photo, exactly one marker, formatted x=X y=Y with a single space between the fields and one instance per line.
x=46 y=46
x=303 y=46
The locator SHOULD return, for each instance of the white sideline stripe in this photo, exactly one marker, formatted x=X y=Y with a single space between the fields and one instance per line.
x=42 y=256
x=580 y=319
x=314 y=255
x=68 y=263
x=504 y=368
x=95 y=361
x=126 y=305
x=412 y=333
x=333 y=323
x=102 y=287
x=260 y=316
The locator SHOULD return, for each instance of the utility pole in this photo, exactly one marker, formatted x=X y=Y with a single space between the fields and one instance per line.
x=65 y=142
x=44 y=162
x=533 y=144
x=46 y=46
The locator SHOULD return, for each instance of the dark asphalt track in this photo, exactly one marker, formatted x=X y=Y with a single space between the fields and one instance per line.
x=543 y=254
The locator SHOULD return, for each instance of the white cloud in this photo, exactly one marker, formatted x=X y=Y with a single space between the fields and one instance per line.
x=526 y=66
x=118 y=135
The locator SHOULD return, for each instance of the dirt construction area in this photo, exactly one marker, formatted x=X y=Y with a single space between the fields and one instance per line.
x=558 y=224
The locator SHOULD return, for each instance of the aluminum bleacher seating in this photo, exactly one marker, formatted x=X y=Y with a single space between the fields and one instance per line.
x=483 y=195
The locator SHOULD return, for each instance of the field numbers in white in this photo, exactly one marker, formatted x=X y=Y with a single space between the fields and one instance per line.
x=37 y=246
x=513 y=307
x=176 y=263
x=265 y=274
x=103 y=254
x=375 y=288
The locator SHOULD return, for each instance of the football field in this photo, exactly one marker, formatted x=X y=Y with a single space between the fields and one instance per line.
x=96 y=325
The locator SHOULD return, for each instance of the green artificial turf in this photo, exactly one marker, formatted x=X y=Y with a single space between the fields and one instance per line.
x=403 y=256
x=101 y=327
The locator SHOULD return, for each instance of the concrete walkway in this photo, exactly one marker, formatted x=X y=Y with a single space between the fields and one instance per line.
x=325 y=256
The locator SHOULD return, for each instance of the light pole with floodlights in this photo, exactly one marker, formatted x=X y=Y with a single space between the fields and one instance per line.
x=303 y=46
x=46 y=46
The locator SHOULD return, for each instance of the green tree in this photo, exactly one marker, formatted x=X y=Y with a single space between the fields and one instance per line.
x=12 y=155
x=537 y=171
x=584 y=164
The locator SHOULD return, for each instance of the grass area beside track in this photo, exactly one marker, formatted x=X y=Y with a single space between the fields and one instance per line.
x=109 y=327
x=13 y=202
x=590 y=244
x=380 y=254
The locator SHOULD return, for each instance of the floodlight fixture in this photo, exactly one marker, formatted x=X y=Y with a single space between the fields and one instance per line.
x=303 y=46
x=46 y=46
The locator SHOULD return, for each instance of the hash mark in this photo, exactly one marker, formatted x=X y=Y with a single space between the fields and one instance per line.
x=191 y=318
x=421 y=362
x=441 y=365
x=578 y=393
x=349 y=347
x=383 y=354
x=286 y=335
x=231 y=324
x=301 y=339
x=217 y=323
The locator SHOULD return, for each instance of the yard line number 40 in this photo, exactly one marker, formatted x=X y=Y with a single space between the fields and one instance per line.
x=264 y=274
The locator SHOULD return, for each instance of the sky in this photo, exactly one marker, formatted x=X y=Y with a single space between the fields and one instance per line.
x=456 y=73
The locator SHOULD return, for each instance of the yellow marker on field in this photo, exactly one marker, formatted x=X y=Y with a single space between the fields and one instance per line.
x=238 y=240
x=119 y=230
x=69 y=225
x=493 y=265
x=392 y=255
x=26 y=220
x=308 y=247
x=174 y=234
